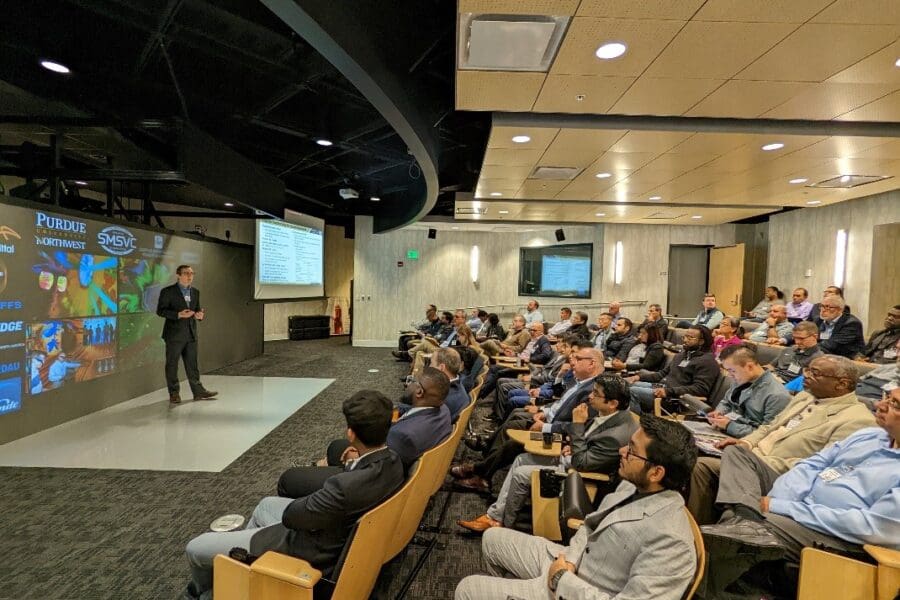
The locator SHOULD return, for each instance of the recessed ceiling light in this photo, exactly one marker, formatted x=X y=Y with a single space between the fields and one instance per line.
x=599 y=214
x=799 y=180
x=656 y=197
x=897 y=63
x=611 y=50
x=79 y=182
x=603 y=175
x=55 y=67
x=521 y=139
x=814 y=202
x=496 y=194
x=454 y=227
x=773 y=146
x=374 y=198
x=697 y=217
x=324 y=142
x=845 y=178
x=503 y=212
x=229 y=204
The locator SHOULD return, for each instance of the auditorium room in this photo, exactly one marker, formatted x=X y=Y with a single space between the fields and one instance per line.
x=450 y=299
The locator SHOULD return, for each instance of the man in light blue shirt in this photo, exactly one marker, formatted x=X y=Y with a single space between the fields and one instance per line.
x=840 y=498
x=774 y=330
x=533 y=313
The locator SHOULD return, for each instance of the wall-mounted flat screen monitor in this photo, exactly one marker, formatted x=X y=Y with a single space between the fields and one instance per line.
x=561 y=271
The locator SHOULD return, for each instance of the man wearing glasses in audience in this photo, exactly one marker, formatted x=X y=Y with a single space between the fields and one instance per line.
x=839 y=332
x=789 y=364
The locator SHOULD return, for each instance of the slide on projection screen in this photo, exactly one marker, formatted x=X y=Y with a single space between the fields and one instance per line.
x=561 y=271
x=290 y=256
x=78 y=300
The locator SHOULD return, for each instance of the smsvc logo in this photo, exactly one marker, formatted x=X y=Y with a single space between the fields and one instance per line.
x=117 y=240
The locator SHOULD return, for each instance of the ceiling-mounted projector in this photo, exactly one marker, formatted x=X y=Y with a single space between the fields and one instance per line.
x=348 y=193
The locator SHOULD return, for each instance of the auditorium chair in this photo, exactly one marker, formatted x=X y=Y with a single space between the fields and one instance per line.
x=276 y=576
x=849 y=579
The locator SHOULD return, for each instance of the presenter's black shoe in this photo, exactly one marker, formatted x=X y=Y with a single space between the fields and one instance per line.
x=206 y=395
x=174 y=398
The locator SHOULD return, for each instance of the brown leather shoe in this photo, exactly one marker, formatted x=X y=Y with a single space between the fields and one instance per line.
x=175 y=398
x=463 y=471
x=475 y=484
x=480 y=524
x=205 y=395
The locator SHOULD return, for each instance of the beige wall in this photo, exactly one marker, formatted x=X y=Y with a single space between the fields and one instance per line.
x=387 y=298
x=805 y=240
x=885 y=278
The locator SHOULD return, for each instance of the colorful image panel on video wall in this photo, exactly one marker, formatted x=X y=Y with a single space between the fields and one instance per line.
x=140 y=343
x=68 y=351
x=140 y=281
x=74 y=285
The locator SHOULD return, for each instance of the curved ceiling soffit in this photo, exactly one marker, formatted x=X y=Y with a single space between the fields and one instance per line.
x=351 y=53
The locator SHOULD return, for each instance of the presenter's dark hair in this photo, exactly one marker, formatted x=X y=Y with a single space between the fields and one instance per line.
x=671 y=447
x=181 y=268
x=368 y=414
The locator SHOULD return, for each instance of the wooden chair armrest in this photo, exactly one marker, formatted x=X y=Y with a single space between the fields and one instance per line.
x=288 y=569
x=593 y=476
x=574 y=523
x=886 y=557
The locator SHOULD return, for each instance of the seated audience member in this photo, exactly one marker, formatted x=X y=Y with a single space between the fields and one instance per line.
x=543 y=383
x=760 y=312
x=552 y=418
x=709 y=316
x=448 y=362
x=789 y=364
x=316 y=525
x=604 y=321
x=776 y=329
x=831 y=290
x=493 y=331
x=883 y=345
x=647 y=355
x=532 y=313
x=638 y=544
x=838 y=499
x=538 y=351
x=755 y=398
x=730 y=334
x=655 y=317
x=826 y=412
x=693 y=371
x=445 y=337
x=431 y=326
x=620 y=343
x=516 y=339
x=615 y=311
x=594 y=447
x=473 y=360
x=579 y=325
x=839 y=332
x=476 y=320
x=563 y=325
x=799 y=307
x=463 y=337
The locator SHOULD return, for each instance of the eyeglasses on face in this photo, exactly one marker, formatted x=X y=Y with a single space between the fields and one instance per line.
x=816 y=373
x=629 y=453
x=584 y=358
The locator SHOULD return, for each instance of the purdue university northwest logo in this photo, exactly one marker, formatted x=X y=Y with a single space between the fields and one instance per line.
x=7 y=232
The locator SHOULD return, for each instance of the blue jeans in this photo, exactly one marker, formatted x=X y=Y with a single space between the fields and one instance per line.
x=641 y=397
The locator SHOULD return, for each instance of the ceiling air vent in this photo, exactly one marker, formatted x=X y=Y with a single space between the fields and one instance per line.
x=849 y=181
x=471 y=211
x=509 y=42
x=664 y=216
x=565 y=173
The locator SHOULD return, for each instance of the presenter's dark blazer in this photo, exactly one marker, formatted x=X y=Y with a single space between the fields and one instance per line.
x=316 y=527
x=422 y=430
x=457 y=399
x=171 y=302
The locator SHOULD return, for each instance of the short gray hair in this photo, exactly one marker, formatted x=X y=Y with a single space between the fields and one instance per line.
x=834 y=300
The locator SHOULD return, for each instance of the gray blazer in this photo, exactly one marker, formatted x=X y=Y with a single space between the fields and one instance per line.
x=599 y=451
x=640 y=551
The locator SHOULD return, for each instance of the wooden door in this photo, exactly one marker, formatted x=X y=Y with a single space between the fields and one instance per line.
x=726 y=278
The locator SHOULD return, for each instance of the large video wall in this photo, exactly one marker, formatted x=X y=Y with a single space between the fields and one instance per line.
x=78 y=300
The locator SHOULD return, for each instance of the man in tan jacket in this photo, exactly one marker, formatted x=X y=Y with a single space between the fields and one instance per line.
x=826 y=412
x=516 y=339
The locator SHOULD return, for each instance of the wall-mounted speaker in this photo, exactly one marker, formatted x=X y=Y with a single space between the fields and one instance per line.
x=560 y=235
x=432 y=234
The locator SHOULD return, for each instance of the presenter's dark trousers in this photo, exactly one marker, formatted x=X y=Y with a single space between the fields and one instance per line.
x=186 y=351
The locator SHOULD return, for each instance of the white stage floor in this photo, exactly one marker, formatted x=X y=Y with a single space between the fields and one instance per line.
x=146 y=433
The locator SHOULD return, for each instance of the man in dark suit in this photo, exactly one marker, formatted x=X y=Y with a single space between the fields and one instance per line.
x=448 y=362
x=316 y=525
x=839 y=332
x=179 y=305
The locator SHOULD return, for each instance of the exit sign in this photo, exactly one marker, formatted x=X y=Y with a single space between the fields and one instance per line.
x=412 y=254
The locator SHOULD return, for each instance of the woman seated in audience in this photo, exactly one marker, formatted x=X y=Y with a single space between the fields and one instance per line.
x=494 y=331
x=730 y=334
x=646 y=355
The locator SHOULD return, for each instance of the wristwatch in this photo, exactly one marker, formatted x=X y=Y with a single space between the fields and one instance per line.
x=554 y=581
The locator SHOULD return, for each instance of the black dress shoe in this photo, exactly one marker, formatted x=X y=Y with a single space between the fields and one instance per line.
x=476 y=442
x=736 y=533
x=174 y=398
x=206 y=395
x=400 y=355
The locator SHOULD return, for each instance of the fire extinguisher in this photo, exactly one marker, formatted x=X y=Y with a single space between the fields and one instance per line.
x=338 y=324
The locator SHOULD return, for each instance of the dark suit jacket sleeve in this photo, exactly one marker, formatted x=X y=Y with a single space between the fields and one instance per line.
x=322 y=509
x=543 y=353
x=562 y=422
x=400 y=442
x=627 y=344
x=166 y=307
x=846 y=339
x=600 y=454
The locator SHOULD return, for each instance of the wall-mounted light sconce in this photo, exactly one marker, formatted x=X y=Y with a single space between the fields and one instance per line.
x=474 y=258
x=617 y=258
x=840 y=257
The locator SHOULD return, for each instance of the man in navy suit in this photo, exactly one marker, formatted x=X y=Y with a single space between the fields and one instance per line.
x=179 y=305
x=448 y=362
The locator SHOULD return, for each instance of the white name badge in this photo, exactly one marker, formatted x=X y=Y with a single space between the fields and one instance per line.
x=187 y=298
x=794 y=368
x=830 y=474
x=792 y=423
x=733 y=416
x=890 y=353
x=684 y=363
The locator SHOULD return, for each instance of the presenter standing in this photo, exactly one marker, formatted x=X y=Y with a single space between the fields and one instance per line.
x=179 y=305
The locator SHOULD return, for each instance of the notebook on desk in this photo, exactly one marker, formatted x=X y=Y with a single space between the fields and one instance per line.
x=705 y=436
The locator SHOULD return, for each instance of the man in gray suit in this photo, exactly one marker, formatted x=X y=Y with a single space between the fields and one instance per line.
x=594 y=447
x=638 y=544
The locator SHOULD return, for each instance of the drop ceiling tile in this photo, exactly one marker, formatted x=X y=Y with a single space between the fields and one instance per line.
x=815 y=52
x=883 y=109
x=711 y=143
x=876 y=68
x=649 y=96
x=655 y=142
x=891 y=150
x=497 y=90
x=769 y=11
x=501 y=137
x=825 y=101
x=507 y=188
x=560 y=93
x=579 y=147
x=679 y=10
x=644 y=38
x=647 y=179
x=567 y=194
x=679 y=163
x=505 y=172
x=541 y=189
x=840 y=147
x=746 y=99
x=704 y=50
x=876 y=12
x=513 y=157
x=526 y=7
x=613 y=162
